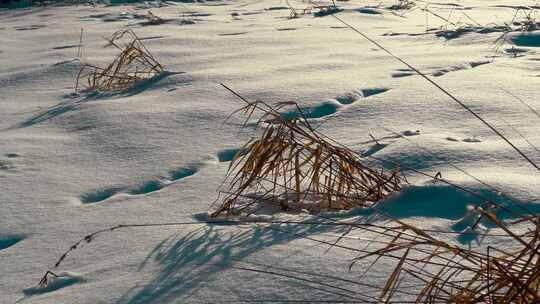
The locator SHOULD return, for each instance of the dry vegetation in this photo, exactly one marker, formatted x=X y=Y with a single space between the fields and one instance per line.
x=133 y=64
x=294 y=167
x=447 y=273
x=291 y=167
x=526 y=19
x=291 y=162
x=317 y=9
x=402 y=6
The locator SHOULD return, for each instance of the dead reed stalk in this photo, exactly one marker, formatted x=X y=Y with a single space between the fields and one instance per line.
x=446 y=92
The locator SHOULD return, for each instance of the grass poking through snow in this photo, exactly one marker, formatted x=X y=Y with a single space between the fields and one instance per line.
x=133 y=64
x=292 y=167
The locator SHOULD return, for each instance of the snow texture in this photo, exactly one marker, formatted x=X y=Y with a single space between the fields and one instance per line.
x=76 y=162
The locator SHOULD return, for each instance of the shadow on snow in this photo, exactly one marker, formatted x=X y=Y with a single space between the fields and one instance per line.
x=71 y=105
x=193 y=259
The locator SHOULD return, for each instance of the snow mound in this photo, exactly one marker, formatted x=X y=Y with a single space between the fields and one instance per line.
x=528 y=39
x=7 y=241
x=447 y=202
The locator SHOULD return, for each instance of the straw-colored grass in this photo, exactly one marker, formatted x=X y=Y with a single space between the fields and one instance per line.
x=133 y=64
x=447 y=273
x=293 y=167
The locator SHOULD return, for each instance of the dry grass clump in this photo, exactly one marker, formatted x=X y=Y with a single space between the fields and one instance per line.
x=293 y=167
x=318 y=10
x=133 y=64
x=450 y=29
x=526 y=19
x=456 y=31
x=402 y=6
x=325 y=10
x=447 y=273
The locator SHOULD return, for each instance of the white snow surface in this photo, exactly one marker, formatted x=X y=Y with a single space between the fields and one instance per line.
x=73 y=164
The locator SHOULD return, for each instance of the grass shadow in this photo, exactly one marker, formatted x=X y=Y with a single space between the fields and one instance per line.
x=75 y=103
x=186 y=262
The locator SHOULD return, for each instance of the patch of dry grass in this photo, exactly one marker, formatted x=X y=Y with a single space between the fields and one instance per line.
x=133 y=64
x=448 y=273
x=293 y=167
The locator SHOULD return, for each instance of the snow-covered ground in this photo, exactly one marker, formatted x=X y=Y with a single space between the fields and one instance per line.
x=73 y=164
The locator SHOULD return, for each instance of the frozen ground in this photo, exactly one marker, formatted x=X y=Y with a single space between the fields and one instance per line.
x=70 y=165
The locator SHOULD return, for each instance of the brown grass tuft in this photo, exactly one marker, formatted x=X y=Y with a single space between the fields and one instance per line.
x=448 y=273
x=293 y=167
x=133 y=64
